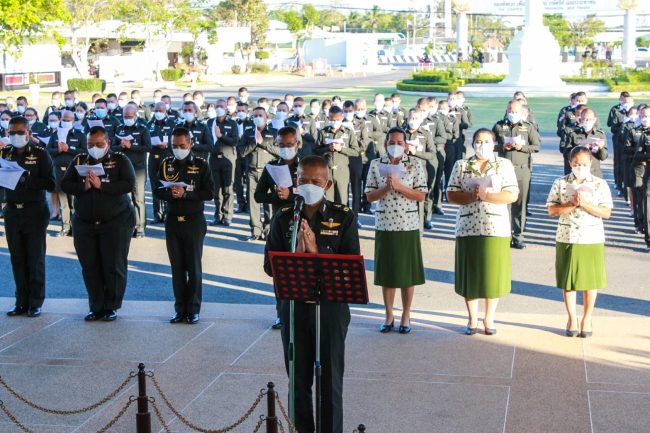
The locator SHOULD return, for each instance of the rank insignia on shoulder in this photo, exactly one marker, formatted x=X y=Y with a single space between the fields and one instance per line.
x=284 y=209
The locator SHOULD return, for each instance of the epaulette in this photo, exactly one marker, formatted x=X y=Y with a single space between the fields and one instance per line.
x=201 y=159
x=341 y=207
x=286 y=209
x=168 y=158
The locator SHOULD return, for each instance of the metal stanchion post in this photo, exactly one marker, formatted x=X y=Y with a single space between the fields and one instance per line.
x=271 y=419
x=143 y=417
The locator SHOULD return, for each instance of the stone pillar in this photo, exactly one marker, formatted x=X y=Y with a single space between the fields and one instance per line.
x=448 y=29
x=629 y=38
x=462 y=34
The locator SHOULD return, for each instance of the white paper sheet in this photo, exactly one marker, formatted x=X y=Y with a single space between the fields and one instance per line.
x=387 y=169
x=277 y=124
x=170 y=184
x=5 y=140
x=83 y=170
x=62 y=134
x=156 y=141
x=93 y=123
x=514 y=140
x=44 y=140
x=572 y=189
x=280 y=175
x=10 y=173
x=126 y=137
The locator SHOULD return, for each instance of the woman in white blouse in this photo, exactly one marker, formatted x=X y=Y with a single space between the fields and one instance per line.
x=582 y=201
x=483 y=185
x=398 y=182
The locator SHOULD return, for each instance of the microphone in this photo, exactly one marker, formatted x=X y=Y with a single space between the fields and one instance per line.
x=299 y=202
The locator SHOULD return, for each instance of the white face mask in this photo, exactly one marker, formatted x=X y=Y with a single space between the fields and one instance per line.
x=80 y=115
x=220 y=111
x=395 y=151
x=56 y=102
x=97 y=153
x=259 y=121
x=513 y=117
x=181 y=154
x=244 y=99
x=189 y=117
x=280 y=115
x=4 y=124
x=336 y=125
x=444 y=112
x=18 y=141
x=588 y=126
x=66 y=125
x=21 y=109
x=232 y=109
x=315 y=111
x=298 y=111
x=156 y=99
x=111 y=106
x=311 y=193
x=129 y=122
x=379 y=106
x=241 y=115
x=53 y=124
x=645 y=122
x=360 y=114
x=69 y=103
x=31 y=122
x=484 y=150
x=159 y=115
x=581 y=171
x=212 y=114
x=349 y=117
x=122 y=103
x=414 y=124
x=288 y=153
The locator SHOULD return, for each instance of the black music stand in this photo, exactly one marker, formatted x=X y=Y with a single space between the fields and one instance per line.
x=305 y=277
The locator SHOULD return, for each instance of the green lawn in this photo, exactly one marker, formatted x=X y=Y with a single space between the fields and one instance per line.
x=487 y=111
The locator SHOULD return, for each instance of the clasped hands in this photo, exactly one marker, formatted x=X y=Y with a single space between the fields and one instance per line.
x=92 y=181
x=306 y=240
x=177 y=191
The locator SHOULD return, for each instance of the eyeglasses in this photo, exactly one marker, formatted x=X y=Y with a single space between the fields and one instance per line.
x=17 y=133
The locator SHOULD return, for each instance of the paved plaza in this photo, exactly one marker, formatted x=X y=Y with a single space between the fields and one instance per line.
x=528 y=378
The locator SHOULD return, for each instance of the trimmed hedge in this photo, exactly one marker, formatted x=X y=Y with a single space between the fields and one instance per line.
x=418 y=86
x=260 y=68
x=583 y=80
x=172 y=74
x=236 y=69
x=433 y=77
x=485 y=79
x=262 y=55
x=87 y=84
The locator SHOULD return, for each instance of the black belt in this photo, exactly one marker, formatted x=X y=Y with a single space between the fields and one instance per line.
x=26 y=205
x=184 y=218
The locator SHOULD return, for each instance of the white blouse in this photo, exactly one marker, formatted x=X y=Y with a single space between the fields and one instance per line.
x=579 y=226
x=481 y=218
x=396 y=213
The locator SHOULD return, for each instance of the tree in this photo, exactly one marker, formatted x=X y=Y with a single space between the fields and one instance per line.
x=24 y=22
x=574 y=34
x=158 y=19
x=310 y=15
x=294 y=20
x=250 y=13
x=82 y=15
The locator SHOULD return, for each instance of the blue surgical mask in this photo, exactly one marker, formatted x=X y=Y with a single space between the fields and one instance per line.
x=100 y=112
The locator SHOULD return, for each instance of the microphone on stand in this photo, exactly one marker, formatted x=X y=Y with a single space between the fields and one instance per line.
x=299 y=202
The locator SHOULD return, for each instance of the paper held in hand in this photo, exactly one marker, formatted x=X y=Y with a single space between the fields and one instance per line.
x=62 y=134
x=156 y=141
x=93 y=123
x=83 y=170
x=513 y=141
x=493 y=183
x=387 y=169
x=572 y=189
x=416 y=144
x=280 y=175
x=170 y=184
x=329 y=141
x=10 y=173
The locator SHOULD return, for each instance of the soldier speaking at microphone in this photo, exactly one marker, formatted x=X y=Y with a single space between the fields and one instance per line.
x=103 y=222
x=185 y=226
x=326 y=228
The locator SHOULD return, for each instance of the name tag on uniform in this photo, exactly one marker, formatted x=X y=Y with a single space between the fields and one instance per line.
x=189 y=188
x=28 y=162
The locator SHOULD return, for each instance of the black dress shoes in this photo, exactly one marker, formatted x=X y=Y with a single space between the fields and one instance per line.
x=428 y=225
x=92 y=316
x=177 y=318
x=519 y=245
x=225 y=223
x=110 y=316
x=438 y=211
x=192 y=319
x=34 y=312
x=16 y=311
x=385 y=329
x=62 y=233
x=215 y=222
x=277 y=324
x=253 y=238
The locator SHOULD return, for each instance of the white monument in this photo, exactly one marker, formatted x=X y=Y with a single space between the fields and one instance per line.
x=629 y=37
x=462 y=29
x=534 y=54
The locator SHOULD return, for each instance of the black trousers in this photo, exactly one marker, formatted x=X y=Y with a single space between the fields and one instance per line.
x=518 y=208
x=365 y=204
x=441 y=156
x=184 y=236
x=258 y=228
x=335 y=319
x=356 y=182
x=26 y=230
x=159 y=206
x=639 y=193
x=619 y=164
x=241 y=181
x=223 y=176
x=450 y=160
x=103 y=251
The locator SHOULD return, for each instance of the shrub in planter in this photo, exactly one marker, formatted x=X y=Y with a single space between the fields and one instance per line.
x=172 y=74
x=236 y=69
x=87 y=84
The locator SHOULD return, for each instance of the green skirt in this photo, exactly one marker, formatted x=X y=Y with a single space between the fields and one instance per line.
x=483 y=267
x=398 y=259
x=580 y=266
